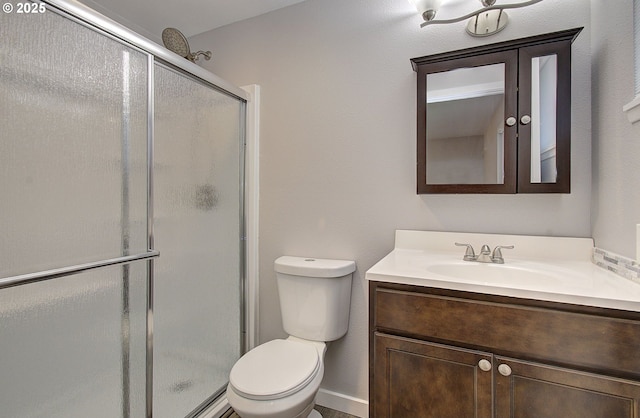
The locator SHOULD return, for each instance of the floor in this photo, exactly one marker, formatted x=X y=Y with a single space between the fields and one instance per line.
x=332 y=413
x=326 y=413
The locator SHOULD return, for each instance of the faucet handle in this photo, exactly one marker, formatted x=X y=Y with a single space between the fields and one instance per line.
x=469 y=254
x=496 y=256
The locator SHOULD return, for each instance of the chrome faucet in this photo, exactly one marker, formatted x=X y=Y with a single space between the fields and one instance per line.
x=469 y=254
x=485 y=256
x=496 y=256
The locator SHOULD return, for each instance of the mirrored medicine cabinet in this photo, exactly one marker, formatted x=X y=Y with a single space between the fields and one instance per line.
x=496 y=118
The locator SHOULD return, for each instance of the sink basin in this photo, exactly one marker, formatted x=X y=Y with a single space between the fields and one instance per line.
x=555 y=269
x=495 y=273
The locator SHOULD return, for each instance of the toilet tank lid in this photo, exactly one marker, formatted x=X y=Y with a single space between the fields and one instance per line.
x=314 y=267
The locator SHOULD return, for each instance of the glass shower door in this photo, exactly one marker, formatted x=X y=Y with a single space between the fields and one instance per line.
x=73 y=194
x=79 y=336
x=197 y=229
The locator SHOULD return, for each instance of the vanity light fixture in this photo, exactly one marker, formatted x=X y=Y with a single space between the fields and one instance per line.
x=489 y=19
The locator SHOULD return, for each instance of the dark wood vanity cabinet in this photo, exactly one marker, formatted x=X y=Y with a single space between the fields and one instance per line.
x=438 y=353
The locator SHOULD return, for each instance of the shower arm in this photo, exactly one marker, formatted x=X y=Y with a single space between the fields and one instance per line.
x=193 y=56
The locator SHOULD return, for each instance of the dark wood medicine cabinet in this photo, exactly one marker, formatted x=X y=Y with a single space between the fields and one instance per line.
x=496 y=118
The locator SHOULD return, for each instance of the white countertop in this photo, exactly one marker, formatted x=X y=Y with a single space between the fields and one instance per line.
x=543 y=268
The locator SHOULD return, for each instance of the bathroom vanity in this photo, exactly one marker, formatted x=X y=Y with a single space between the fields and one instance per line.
x=448 y=341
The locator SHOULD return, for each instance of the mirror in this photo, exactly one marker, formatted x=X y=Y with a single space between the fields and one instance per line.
x=543 y=119
x=465 y=135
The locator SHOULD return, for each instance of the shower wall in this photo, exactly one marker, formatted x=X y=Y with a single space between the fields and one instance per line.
x=92 y=321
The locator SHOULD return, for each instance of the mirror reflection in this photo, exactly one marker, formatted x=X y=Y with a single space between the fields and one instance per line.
x=465 y=125
x=543 y=119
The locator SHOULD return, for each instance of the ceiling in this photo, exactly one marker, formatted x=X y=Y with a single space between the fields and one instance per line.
x=191 y=17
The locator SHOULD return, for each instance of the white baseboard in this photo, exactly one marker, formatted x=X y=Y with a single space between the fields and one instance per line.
x=343 y=403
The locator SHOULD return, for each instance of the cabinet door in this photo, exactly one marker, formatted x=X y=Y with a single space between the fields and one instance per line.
x=423 y=380
x=464 y=144
x=544 y=106
x=530 y=390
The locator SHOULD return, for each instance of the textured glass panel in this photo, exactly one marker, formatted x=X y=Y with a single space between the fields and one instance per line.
x=197 y=229
x=72 y=144
x=64 y=342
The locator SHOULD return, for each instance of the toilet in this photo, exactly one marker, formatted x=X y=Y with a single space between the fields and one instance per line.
x=280 y=378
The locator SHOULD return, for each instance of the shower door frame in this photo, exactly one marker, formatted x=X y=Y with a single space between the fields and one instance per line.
x=95 y=21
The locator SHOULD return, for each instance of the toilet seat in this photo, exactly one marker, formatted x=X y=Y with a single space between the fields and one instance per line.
x=275 y=369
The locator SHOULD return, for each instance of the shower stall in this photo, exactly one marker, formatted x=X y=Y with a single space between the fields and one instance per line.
x=121 y=221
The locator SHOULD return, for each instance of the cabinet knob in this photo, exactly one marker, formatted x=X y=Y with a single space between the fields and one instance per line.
x=525 y=120
x=485 y=365
x=504 y=370
x=510 y=121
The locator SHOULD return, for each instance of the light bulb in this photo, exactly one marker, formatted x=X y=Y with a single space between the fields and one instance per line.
x=426 y=8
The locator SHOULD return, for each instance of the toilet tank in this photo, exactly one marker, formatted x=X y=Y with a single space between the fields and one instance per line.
x=315 y=296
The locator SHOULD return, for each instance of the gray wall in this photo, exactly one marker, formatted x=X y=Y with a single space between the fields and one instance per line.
x=338 y=128
x=616 y=143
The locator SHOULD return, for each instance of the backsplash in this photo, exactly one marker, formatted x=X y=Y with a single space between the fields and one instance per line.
x=622 y=266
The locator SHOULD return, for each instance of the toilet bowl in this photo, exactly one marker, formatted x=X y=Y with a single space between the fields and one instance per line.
x=280 y=378
x=277 y=379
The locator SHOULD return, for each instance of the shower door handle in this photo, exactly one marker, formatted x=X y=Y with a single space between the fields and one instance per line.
x=66 y=271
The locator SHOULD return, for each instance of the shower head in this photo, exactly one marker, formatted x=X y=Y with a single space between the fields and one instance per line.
x=176 y=42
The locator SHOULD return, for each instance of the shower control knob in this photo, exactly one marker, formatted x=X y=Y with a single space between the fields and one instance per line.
x=485 y=365
x=504 y=370
x=511 y=121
